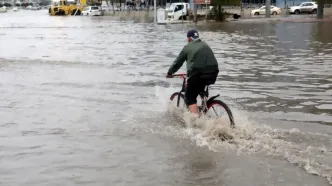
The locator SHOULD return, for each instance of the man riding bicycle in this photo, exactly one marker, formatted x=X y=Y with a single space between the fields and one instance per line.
x=202 y=68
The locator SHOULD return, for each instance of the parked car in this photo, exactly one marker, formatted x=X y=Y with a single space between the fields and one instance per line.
x=37 y=7
x=92 y=11
x=305 y=7
x=3 y=9
x=262 y=10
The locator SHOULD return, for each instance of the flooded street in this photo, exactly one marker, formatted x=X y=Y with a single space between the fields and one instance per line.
x=84 y=101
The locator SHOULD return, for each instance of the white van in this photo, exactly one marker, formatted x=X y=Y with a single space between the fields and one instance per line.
x=91 y=11
x=178 y=11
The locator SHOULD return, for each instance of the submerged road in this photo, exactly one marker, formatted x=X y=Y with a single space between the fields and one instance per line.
x=84 y=101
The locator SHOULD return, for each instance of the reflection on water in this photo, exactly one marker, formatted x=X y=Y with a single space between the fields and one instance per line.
x=83 y=101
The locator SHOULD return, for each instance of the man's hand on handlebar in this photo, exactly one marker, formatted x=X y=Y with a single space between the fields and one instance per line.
x=168 y=75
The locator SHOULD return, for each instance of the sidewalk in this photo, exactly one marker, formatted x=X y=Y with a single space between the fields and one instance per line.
x=246 y=13
x=294 y=19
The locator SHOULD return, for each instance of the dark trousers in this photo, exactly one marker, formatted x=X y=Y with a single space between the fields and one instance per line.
x=196 y=85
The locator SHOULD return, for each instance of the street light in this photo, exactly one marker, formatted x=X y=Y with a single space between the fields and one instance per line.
x=155 y=10
x=268 y=8
x=206 y=11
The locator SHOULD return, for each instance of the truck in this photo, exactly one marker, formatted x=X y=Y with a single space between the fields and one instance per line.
x=178 y=11
x=66 y=7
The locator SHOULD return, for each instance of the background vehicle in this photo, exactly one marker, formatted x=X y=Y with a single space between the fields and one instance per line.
x=262 y=11
x=178 y=11
x=92 y=11
x=64 y=7
x=3 y=9
x=305 y=7
x=34 y=7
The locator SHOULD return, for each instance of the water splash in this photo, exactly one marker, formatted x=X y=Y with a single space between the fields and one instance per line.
x=310 y=151
x=292 y=145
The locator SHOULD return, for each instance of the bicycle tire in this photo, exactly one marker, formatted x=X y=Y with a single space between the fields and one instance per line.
x=224 y=105
x=175 y=95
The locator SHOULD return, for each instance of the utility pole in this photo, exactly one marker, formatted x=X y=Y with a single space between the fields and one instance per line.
x=195 y=13
x=155 y=10
x=320 y=9
x=191 y=4
x=206 y=10
x=241 y=2
x=286 y=8
x=268 y=8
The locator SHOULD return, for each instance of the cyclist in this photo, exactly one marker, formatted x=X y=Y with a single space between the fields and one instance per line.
x=202 y=68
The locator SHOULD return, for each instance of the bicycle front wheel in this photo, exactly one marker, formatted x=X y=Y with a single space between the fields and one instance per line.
x=177 y=100
x=219 y=109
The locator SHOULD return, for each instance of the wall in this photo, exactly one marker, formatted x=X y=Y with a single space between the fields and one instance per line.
x=140 y=16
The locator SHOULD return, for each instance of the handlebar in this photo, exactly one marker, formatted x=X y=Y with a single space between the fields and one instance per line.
x=183 y=76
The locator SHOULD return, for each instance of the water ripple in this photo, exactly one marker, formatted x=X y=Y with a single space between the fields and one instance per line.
x=71 y=86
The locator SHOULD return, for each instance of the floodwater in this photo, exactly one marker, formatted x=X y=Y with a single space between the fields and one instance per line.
x=84 y=101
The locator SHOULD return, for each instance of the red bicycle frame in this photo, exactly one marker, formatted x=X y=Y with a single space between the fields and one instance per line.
x=204 y=95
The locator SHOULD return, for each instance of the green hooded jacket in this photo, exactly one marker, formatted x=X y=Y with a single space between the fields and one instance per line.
x=199 y=57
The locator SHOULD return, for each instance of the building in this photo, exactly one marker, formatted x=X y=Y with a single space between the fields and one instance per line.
x=13 y=2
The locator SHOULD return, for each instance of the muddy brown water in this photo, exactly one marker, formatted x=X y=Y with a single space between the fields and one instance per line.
x=84 y=101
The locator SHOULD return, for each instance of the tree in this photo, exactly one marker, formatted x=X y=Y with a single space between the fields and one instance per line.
x=7 y=5
x=218 y=11
x=94 y=2
x=226 y=2
x=112 y=3
x=320 y=7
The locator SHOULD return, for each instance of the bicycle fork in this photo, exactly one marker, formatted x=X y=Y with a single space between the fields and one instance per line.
x=203 y=106
x=178 y=101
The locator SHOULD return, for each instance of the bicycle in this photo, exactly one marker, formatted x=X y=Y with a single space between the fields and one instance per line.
x=206 y=102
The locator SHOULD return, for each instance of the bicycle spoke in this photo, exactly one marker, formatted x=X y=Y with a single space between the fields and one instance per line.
x=213 y=111
x=217 y=115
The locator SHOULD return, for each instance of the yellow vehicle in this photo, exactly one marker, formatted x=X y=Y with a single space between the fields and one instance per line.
x=65 y=7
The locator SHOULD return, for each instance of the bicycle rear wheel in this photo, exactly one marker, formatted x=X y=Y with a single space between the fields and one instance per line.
x=219 y=109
